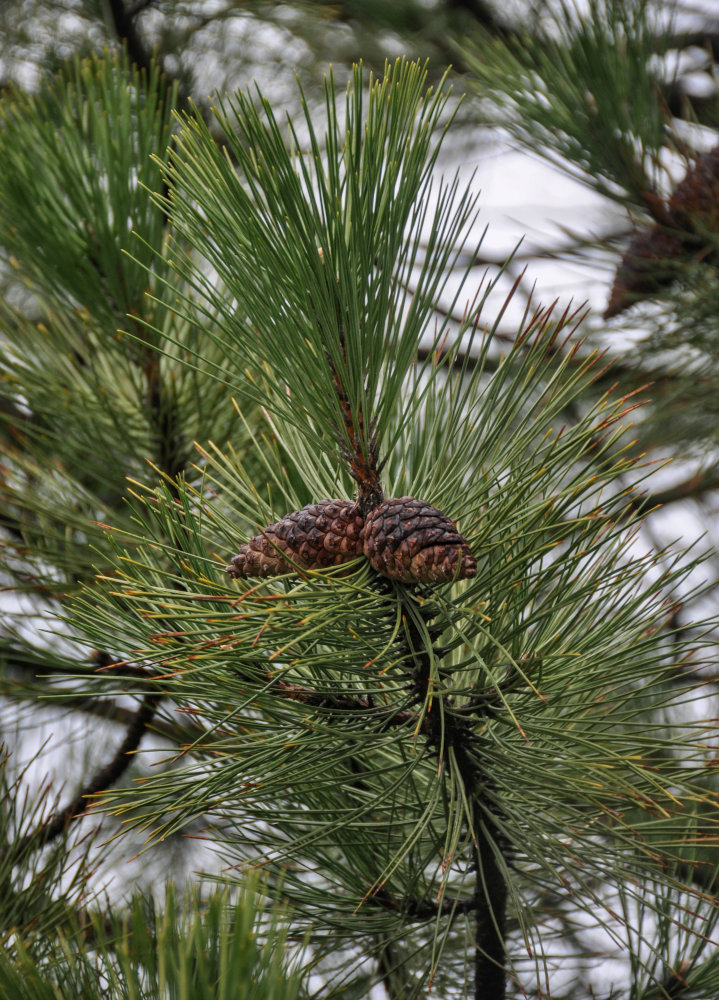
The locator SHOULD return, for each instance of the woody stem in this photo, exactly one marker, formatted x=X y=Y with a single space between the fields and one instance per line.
x=452 y=740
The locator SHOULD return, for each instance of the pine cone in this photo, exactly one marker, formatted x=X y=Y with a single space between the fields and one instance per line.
x=321 y=534
x=408 y=540
x=646 y=266
x=690 y=216
x=694 y=202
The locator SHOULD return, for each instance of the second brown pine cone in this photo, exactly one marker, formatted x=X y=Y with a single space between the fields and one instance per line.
x=691 y=216
x=408 y=540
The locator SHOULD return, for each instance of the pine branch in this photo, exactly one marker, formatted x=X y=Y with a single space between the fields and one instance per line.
x=190 y=943
x=674 y=986
x=387 y=965
x=101 y=708
x=388 y=718
x=693 y=488
x=123 y=19
x=101 y=780
x=706 y=38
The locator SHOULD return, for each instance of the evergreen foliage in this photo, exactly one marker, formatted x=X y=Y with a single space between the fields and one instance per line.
x=590 y=95
x=215 y=948
x=472 y=786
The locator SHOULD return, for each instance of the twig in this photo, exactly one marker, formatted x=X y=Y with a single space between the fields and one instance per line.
x=123 y=19
x=387 y=967
x=674 y=986
x=104 y=708
x=389 y=717
x=102 y=780
x=691 y=488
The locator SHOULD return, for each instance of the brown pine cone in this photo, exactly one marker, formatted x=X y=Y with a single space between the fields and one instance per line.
x=321 y=534
x=689 y=216
x=646 y=266
x=695 y=199
x=408 y=540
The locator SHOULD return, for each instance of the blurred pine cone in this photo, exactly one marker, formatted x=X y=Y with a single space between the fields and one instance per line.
x=689 y=227
x=694 y=203
x=645 y=268
x=321 y=534
x=408 y=540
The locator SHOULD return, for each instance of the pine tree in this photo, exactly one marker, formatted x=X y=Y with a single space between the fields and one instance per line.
x=441 y=701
